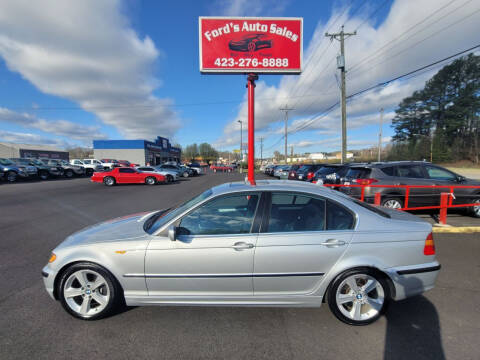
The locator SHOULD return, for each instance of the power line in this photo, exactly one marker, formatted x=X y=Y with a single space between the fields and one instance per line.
x=373 y=13
x=390 y=43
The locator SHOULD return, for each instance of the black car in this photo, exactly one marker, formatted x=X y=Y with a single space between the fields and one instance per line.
x=410 y=173
x=306 y=172
x=44 y=171
x=330 y=174
x=252 y=42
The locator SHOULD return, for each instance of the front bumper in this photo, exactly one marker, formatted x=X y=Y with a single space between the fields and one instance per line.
x=413 y=280
x=48 y=280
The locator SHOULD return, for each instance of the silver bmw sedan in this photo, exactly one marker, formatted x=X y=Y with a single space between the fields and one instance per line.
x=278 y=243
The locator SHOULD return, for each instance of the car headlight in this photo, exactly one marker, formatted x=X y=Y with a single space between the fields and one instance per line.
x=53 y=257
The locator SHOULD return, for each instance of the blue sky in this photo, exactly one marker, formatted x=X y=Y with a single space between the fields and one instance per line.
x=113 y=69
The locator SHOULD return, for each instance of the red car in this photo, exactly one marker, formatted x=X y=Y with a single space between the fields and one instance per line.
x=127 y=175
x=216 y=168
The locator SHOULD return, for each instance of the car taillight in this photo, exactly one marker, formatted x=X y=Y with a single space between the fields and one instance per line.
x=429 y=248
x=365 y=181
x=310 y=175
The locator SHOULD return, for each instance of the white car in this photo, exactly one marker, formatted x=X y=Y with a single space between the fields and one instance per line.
x=171 y=176
x=90 y=165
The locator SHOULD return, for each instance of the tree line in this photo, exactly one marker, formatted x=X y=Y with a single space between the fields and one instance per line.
x=442 y=119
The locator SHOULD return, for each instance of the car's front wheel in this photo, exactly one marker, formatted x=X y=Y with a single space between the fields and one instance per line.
x=88 y=291
x=11 y=176
x=358 y=297
x=43 y=175
x=185 y=174
x=109 y=181
x=69 y=173
x=150 y=180
x=475 y=210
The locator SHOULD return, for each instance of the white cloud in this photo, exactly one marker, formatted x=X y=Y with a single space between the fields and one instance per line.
x=69 y=129
x=247 y=7
x=27 y=138
x=86 y=51
x=318 y=76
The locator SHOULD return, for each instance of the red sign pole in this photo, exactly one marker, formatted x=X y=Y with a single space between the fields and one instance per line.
x=251 y=127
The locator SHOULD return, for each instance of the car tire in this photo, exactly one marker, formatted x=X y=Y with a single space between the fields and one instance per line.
x=11 y=176
x=358 y=296
x=43 y=175
x=89 y=172
x=99 y=293
x=169 y=178
x=109 y=180
x=150 y=180
x=474 y=211
x=392 y=202
x=185 y=174
x=68 y=173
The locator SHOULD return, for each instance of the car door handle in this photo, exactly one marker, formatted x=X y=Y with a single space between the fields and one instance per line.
x=242 y=246
x=333 y=243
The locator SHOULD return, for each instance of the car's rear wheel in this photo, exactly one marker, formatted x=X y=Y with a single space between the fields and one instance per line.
x=358 y=297
x=185 y=174
x=109 y=181
x=88 y=291
x=69 y=173
x=11 y=176
x=150 y=180
x=392 y=202
x=43 y=175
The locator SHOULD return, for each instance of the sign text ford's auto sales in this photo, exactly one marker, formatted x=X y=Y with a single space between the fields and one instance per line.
x=250 y=45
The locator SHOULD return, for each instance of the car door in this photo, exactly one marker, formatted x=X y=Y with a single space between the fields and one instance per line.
x=213 y=251
x=414 y=174
x=442 y=177
x=302 y=236
x=127 y=176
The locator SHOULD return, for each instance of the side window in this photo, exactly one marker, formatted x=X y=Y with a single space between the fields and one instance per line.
x=295 y=212
x=88 y=162
x=389 y=170
x=77 y=162
x=231 y=214
x=338 y=218
x=126 y=170
x=439 y=174
x=410 y=171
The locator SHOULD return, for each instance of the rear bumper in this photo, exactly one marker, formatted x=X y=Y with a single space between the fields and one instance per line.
x=413 y=280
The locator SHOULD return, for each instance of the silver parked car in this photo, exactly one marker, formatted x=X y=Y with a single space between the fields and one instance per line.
x=279 y=243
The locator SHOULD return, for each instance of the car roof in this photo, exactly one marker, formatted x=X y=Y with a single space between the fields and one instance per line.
x=388 y=163
x=274 y=185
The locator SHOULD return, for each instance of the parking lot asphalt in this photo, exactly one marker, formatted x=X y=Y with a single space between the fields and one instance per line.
x=36 y=216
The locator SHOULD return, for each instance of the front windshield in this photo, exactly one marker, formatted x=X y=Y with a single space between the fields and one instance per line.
x=37 y=162
x=6 y=162
x=51 y=162
x=157 y=220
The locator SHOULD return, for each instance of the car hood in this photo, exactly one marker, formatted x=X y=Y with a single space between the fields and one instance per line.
x=128 y=227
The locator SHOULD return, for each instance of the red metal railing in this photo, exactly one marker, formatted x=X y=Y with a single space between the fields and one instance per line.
x=446 y=198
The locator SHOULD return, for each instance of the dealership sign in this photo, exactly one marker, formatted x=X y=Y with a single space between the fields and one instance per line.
x=250 y=45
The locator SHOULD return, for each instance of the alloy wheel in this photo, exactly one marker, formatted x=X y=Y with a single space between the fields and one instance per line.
x=392 y=204
x=360 y=297
x=476 y=208
x=11 y=176
x=86 y=292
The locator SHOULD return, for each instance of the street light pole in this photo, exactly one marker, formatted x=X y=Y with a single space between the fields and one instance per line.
x=241 y=143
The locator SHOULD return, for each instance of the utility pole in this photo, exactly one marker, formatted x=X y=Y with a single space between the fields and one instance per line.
x=341 y=65
x=261 y=151
x=380 y=136
x=241 y=143
x=286 y=109
x=291 y=154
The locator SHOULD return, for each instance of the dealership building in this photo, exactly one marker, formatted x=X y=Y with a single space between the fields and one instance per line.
x=137 y=151
x=11 y=150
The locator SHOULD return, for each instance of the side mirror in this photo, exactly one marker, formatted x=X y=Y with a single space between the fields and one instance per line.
x=461 y=178
x=172 y=233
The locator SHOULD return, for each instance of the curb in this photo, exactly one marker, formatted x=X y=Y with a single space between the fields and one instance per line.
x=456 y=229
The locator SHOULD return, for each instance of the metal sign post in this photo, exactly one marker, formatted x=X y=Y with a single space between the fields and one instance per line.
x=251 y=127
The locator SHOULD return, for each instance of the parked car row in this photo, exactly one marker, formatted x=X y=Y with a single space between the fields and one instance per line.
x=392 y=174
x=150 y=175
x=27 y=168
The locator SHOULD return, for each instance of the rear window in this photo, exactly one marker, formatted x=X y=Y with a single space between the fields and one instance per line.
x=359 y=173
x=325 y=170
x=390 y=170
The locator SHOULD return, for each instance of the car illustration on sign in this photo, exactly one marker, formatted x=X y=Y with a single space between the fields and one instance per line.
x=251 y=42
